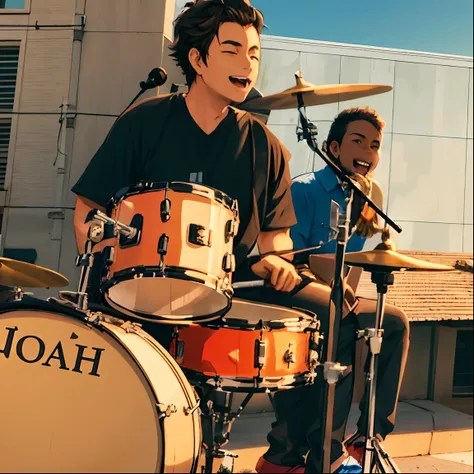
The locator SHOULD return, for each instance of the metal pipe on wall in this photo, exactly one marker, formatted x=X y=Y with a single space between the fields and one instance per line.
x=66 y=145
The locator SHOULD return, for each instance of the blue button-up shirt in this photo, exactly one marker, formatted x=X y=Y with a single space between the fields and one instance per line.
x=312 y=194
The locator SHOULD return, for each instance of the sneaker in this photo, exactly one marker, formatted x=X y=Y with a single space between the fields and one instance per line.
x=355 y=447
x=349 y=466
x=263 y=467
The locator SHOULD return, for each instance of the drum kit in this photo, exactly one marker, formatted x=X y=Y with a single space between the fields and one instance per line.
x=88 y=390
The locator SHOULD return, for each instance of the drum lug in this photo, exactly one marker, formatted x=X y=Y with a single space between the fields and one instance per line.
x=231 y=229
x=163 y=245
x=260 y=353
x=228 y=264
x=165 y=206
x=190 y=410
x=166 y=410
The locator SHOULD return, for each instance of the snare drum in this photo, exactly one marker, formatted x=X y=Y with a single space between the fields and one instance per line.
x=254 y=346
x=178 y=266
x=90 y=393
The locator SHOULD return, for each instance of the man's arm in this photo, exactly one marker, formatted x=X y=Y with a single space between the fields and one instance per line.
x=281 y=273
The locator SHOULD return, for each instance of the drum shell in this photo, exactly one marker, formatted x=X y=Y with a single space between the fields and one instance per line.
x=186 y=209
x=194 y=280
x=229 y=349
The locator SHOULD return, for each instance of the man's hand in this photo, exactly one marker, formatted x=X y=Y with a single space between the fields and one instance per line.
x=282 y=274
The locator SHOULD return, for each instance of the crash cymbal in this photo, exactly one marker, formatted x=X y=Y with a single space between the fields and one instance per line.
x=17 y=273
x=313 y=95
x=388 y=260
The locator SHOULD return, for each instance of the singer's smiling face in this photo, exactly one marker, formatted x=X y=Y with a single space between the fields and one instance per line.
x=232 y=65
x=359 y=151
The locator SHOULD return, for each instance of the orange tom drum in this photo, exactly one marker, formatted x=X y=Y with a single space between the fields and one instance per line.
x=177 y=269
x=255 y=346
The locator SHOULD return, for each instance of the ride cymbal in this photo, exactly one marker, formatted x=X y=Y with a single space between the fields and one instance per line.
x=17 y=273
x=388 y=260
x=313 y=95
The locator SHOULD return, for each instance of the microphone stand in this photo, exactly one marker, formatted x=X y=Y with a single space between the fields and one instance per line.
x=142 y=90
x=333 y=370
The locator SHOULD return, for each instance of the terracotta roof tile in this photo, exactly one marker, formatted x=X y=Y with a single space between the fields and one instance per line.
x=430 y=296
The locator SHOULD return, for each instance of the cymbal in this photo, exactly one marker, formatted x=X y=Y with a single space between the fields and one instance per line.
x=17 y=273
x=388 y=260
x=313 y=95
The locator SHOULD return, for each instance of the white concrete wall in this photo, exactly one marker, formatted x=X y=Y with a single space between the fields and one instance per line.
x=123 y=40
x=426 y=165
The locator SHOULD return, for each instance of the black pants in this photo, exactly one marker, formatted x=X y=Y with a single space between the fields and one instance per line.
x=297 y=429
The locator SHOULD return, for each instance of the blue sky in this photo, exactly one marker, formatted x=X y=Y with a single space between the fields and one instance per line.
x=437 y=26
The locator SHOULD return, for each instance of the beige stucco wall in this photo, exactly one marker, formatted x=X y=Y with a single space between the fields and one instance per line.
x=122 y=41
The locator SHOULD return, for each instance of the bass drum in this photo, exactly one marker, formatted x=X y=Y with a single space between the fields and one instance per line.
x=90 y=393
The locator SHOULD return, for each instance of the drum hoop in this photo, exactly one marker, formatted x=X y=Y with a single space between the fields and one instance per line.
x=272 y=324
x=175 y=320
x=48 y=306
x=149 y=271
x=245 y=385
x=177 y=186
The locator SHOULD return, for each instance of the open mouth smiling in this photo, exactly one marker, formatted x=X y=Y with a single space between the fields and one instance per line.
x=362 y=166
x=240 y=81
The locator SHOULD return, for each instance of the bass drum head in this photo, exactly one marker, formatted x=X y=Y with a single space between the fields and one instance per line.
x=73 y=399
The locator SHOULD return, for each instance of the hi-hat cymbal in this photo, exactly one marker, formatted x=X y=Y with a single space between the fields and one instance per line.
x=313 y=95
x=388 y=260
x=17 y=273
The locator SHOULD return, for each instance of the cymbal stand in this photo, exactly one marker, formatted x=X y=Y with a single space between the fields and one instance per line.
x=376 y=459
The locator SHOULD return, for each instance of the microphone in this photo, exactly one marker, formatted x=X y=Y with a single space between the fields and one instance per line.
x=156 y=78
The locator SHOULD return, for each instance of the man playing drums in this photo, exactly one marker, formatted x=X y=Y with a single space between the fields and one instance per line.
x=198 y=137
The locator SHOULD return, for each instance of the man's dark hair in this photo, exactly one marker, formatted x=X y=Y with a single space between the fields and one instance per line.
x=342 y=121
x=199 y=23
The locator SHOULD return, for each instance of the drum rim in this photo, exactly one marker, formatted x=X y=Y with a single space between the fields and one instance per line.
x=171 y=272
x=180 y=320
x=178 y=186
x=245 y=384
x=155 y=271
x=271 y=324
x=35 y=304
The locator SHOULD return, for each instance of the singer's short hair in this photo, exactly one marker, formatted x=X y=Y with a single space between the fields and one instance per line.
x=199 y=23
x=341 y=122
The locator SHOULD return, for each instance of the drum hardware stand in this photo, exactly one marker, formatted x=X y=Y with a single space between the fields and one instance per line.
x=97 y=232
x=374 y=454
x=333 y=370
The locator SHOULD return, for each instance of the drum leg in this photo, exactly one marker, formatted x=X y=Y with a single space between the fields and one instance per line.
x=224 y=419
x=270 y=396
x=207 y=426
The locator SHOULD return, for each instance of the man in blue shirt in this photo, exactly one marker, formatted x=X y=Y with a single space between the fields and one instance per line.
x=354 y=143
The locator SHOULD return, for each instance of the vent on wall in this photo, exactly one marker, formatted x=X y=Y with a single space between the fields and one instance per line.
x=9 y=53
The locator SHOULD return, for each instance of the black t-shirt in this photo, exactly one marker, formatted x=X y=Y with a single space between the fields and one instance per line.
x=158 y=140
